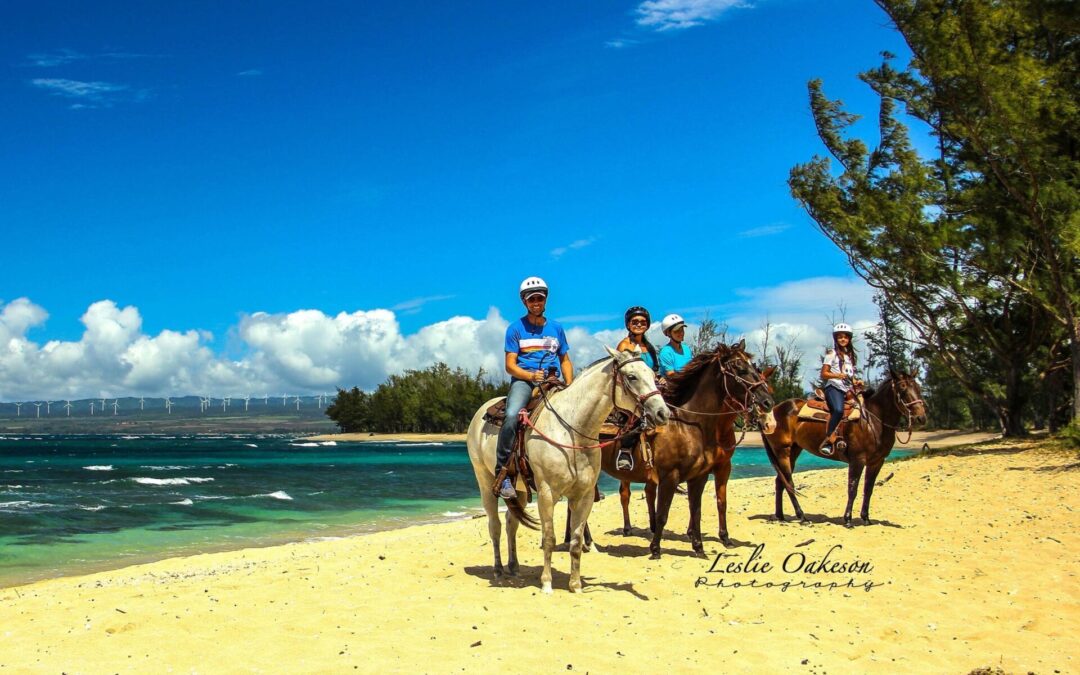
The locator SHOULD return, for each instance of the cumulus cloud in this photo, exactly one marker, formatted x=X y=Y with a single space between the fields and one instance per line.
x=309 y=351
x=764 y=230
x=558 y=252
x=87 y=94
x=665 y=15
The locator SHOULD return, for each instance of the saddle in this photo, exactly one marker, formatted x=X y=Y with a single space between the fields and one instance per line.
x=817 y=410
x=517 y=468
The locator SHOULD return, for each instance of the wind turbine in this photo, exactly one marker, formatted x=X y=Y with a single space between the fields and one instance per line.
x=246 y=399
x=202 y=404
x=48 y=407
x=224 y=402
x=168 y=405
x=298 y=404
x=115 y=405
x=283 y=397
x=68 y=406
x=91 y=408
x=102 y=405
x=266 y=399
x=18 y=409
x=141 y=401
x=38 y=406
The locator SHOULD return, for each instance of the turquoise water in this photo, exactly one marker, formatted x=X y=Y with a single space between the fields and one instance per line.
x=74 y=504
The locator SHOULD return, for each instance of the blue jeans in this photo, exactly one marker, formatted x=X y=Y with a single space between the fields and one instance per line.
x=520 y=393
x=835 y=400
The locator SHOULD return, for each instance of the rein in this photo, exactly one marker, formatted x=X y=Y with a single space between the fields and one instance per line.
x=904 y=408
x=616 y=381
x=748 y=391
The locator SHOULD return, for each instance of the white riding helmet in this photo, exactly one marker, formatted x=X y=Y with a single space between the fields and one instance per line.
x=671 y=321
x=532 y=286
x=842 y=328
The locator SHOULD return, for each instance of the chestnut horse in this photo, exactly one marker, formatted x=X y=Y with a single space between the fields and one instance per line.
x=705 y=396
x=869 y=439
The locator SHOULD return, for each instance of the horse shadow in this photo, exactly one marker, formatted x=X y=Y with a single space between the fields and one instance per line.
x=528 y=576
x=646 y=534
x=821 y=519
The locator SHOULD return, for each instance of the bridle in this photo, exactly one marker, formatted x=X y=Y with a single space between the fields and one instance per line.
x=617 y=380
x=748 y=393
x=904 y=408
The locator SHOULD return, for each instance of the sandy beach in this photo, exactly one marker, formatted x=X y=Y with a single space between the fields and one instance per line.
x=972 y=564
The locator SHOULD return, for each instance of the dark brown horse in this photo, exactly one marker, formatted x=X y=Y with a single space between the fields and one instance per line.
x=705 y=396
x=869 y=439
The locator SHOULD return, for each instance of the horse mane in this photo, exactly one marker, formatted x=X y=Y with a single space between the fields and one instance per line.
x=682 y=385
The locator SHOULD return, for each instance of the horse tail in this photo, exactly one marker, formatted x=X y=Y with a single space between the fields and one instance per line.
x=523 y=517
x=788 y=487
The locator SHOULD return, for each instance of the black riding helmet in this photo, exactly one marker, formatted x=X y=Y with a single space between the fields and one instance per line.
x=637 y=311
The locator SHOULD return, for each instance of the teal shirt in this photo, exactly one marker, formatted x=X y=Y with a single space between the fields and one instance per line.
x=672 y=361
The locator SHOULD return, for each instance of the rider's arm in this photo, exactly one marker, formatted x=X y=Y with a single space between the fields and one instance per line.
x=520 y=373
x=566 y=367
x=625 y=345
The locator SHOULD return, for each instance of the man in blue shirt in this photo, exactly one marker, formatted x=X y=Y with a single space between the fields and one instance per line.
x=536 y=348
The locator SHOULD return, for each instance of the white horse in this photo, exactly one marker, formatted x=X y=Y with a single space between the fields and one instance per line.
x=565 y=465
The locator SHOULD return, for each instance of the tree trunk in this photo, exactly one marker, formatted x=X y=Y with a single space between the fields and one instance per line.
x=1011 y=409
x=1074 y=352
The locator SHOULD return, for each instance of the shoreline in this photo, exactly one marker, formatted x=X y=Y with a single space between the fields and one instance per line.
x=976 y=586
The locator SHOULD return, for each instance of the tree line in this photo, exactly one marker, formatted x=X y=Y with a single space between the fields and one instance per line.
x=434 y=400
x=973 y=247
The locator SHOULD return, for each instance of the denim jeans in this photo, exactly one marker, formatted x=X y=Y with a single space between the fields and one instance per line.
x=520 y=393
x=835 y=399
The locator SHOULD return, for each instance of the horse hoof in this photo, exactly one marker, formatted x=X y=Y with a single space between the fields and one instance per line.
x=726 y=540
x=498 y=572
x=803 y=520
x=626 y=532
x=699 y=551
x=513 y=570
x=575 y=588
x=585 y=548
x=866 y=521
x=848 y=524
x=655 y=555
x=780 y=518
x=547 y=589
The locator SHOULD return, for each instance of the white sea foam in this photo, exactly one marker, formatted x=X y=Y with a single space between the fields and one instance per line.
x=251 y=445
x=23 y=504
x=328 y=443
x=130 y=438
x=13 y=471
x=12 y=487
x=187 y=480
x=304 y=445
x=453 y=514
x=414 y=445
x=168 y=467
x=183 y=502
x=99 y=467
x=280 y=494
x=90 y=508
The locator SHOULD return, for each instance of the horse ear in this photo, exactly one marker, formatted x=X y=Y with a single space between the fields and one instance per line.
x=767 y=373
x=612 y=353
x=741 y=346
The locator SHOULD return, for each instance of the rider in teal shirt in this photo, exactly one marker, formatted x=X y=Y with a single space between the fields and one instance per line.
x=675 y=354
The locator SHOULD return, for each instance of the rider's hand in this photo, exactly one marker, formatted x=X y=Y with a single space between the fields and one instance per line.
x=537 y=376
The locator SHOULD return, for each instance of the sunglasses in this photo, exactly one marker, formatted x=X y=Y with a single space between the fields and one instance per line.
x=639 y=322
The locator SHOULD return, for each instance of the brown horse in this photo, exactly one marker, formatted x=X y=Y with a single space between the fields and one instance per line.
x=869 y=439
x=706 y=396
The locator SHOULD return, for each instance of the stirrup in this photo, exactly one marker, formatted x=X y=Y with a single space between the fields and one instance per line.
x=626 y=458
x=826 y=449
x=840 y=445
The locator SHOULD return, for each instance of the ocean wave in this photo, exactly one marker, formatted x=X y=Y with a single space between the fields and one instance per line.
x=187 y=480
x=90 y=508
x=328 y=443
x=13 y=471
x=183 y=502
x=168 y=467
x=453 y=514
x=414 y=445
x=99 y=467
x=304 y=445
x=130 y=438
x=251 y=445
x=11 y=487
x=280 y=494
x=23 y=505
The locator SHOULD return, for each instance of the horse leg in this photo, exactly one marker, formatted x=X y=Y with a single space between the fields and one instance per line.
x=794 y=452
x=545 y=502
x=580 y=514
x=511 y=541
x=694 y=490
x=566 y=536
x=650 y=501
x=491 y=506
x=785 y=472
x=667 y=493
x=721 y=474
x=855 y=469
x=624 y=499
x=872 y=471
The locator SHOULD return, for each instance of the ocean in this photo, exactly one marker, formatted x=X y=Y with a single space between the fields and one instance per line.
x=79 y=504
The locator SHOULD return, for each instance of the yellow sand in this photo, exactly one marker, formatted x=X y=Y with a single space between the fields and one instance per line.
x=976 y=561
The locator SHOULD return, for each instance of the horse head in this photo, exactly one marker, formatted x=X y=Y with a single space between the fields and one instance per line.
x=743 y=381
x=908 y=397
x=634 y=388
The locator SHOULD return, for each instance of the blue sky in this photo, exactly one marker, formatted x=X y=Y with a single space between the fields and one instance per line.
x=216 y=169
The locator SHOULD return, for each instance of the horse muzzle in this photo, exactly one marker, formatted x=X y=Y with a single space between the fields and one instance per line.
x=656 y=412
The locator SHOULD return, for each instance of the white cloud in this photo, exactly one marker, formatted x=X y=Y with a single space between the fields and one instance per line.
x=664 y=15
x=764 y=230
x=620 y=43
x=89 y=94
x=254 y=72
x=413 y=306
x=558 y=252
x=309 y=351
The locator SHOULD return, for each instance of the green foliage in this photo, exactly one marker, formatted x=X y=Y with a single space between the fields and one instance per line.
x=1070 y=435
x=434 y=400
x=709 y=334
x=975 y=247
